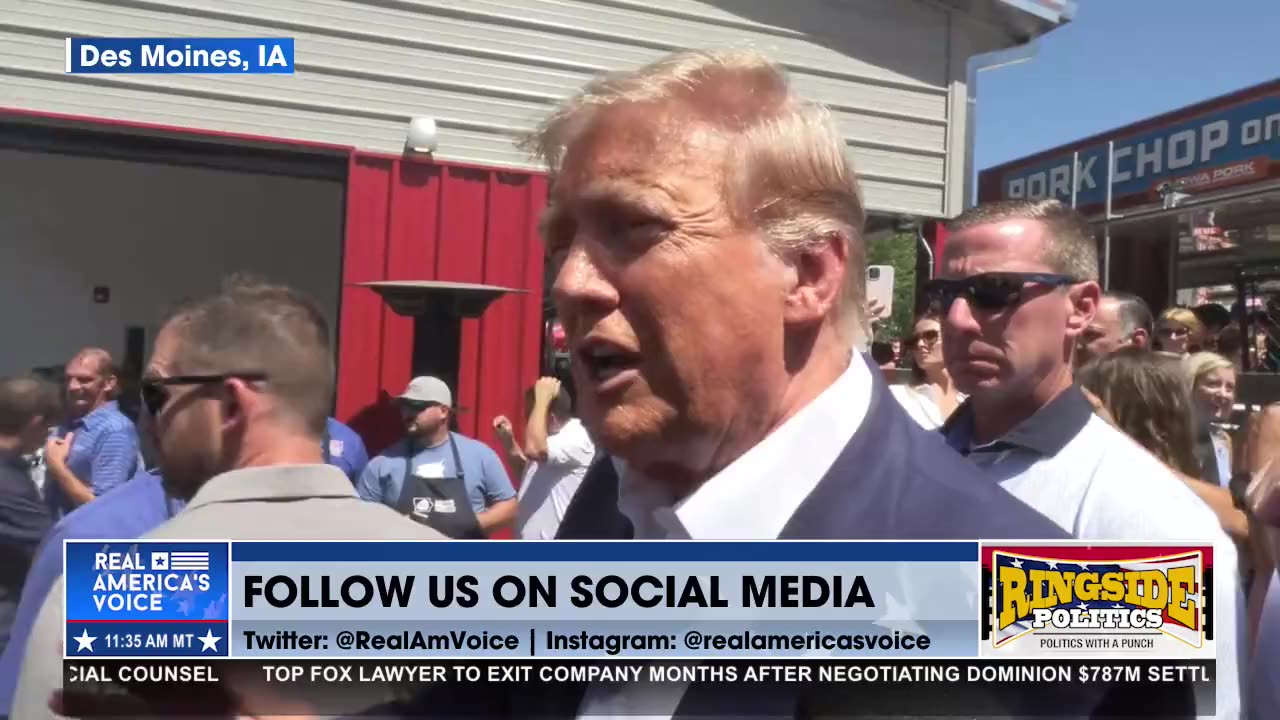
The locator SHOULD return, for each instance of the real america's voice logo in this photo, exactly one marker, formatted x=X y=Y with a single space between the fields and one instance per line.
x=179 y=55
x=1104 y=599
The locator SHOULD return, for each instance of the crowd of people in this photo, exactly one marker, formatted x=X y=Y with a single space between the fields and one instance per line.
x=705 y=234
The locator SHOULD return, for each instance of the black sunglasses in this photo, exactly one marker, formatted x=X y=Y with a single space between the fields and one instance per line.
x=990 y=291
x=155 y=391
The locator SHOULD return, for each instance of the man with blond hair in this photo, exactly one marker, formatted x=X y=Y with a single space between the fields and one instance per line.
x=705 y=234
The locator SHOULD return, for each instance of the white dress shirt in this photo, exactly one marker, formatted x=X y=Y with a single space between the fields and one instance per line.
x=751 y=499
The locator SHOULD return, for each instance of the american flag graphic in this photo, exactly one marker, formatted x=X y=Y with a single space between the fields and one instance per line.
x=180 y=561
x=1002 y=563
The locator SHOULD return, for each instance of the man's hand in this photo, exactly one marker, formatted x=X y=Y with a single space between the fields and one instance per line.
x=875 y=311
x=56 y=451
x=545 y=390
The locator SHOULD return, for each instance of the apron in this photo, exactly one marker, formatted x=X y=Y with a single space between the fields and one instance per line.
x=439 y=503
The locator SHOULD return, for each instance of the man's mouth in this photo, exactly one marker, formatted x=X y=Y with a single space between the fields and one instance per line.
x=605 y=360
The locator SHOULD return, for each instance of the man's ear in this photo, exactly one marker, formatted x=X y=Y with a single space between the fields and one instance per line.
x=1084 y=299
x=1140 y=338
x=819 y=275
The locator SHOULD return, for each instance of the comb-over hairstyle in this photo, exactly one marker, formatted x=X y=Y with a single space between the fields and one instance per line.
x=255 y=326
x=786 y=172
x=1070 y=249
x=24 y=398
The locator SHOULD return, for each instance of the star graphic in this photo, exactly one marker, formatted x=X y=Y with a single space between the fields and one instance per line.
x=184 y=606
x=1082 y=606
x=84 y=640
x=897 y=616
x=1053 y=565
x=209 y=641
x=1017 y=563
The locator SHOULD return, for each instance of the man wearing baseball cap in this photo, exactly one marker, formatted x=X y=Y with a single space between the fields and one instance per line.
x=437 y=477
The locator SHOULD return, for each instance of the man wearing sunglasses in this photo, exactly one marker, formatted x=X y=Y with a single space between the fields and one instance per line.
x=238 y=387
x=1017 y=289
x=438 y=477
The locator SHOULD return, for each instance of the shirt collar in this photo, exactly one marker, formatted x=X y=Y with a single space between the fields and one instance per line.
x=274 y=482
x=1046 y=432
x=96 y=417
x=756 y=495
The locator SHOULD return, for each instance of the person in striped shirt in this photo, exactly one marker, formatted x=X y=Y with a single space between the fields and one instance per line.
x=96 y=450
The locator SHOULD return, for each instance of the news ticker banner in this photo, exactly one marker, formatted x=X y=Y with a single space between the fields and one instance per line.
x=205 y=56
x=1125 y=687
x=635 y=600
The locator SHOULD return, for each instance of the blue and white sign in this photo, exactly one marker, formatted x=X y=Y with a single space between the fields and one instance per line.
x=1234 y=144
x=206 y=56
x=147 y=598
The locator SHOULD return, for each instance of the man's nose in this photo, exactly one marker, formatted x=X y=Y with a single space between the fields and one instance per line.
x=580 y=286
x=960 y=317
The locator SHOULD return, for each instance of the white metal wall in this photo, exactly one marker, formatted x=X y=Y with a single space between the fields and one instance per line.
x=892 y=70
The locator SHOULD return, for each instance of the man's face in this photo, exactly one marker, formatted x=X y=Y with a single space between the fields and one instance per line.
x=88 y=385
x=187 y=431
x=423 y=418
x=673 y=312
x=999 y=353
x=1104 y=335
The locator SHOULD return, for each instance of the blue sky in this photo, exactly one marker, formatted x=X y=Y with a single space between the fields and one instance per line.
x=1121 y=61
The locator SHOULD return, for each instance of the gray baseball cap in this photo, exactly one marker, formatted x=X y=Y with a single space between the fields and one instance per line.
x=427 y=389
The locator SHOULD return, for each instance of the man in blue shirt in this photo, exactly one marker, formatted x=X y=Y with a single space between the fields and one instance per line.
x=344 y=449
x=135 y=509
x=27 y=406
x=97 y=449
x=437 y=477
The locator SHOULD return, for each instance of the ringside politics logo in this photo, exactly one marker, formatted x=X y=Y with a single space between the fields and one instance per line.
x=1100 y=600
x=146 y=598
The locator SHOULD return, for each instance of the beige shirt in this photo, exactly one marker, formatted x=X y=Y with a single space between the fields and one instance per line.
x=283 y=502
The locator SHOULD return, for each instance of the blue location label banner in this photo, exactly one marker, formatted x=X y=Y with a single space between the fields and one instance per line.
x=147 y=598
x=205 y=56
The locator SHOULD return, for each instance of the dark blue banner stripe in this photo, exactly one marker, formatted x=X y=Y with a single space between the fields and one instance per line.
x=629 y=551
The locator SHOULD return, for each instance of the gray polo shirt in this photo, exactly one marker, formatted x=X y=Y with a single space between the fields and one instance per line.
x=1098 y=484
x=283 y=502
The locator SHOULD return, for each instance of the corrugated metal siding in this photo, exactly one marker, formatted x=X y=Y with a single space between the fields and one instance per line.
x=487 y=69
x=410 y=220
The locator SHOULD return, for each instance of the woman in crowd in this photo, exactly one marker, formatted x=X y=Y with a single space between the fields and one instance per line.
x=1147 y=395
x=1179 y=331
x=931 y=397
x=1213 y=384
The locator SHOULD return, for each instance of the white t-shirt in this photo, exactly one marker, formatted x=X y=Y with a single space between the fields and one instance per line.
x=548 y=486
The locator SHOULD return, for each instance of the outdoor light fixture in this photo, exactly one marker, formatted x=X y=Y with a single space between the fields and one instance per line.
x=422 y=137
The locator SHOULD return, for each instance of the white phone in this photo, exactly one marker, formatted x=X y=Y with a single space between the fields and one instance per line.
x=880 y=286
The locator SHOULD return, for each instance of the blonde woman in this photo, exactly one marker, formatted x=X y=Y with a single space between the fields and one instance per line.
x=931 y=397
x=1179 y=331
x=1213 y=388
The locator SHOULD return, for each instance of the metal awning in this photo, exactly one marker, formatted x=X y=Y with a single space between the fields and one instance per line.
x=421 y=297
